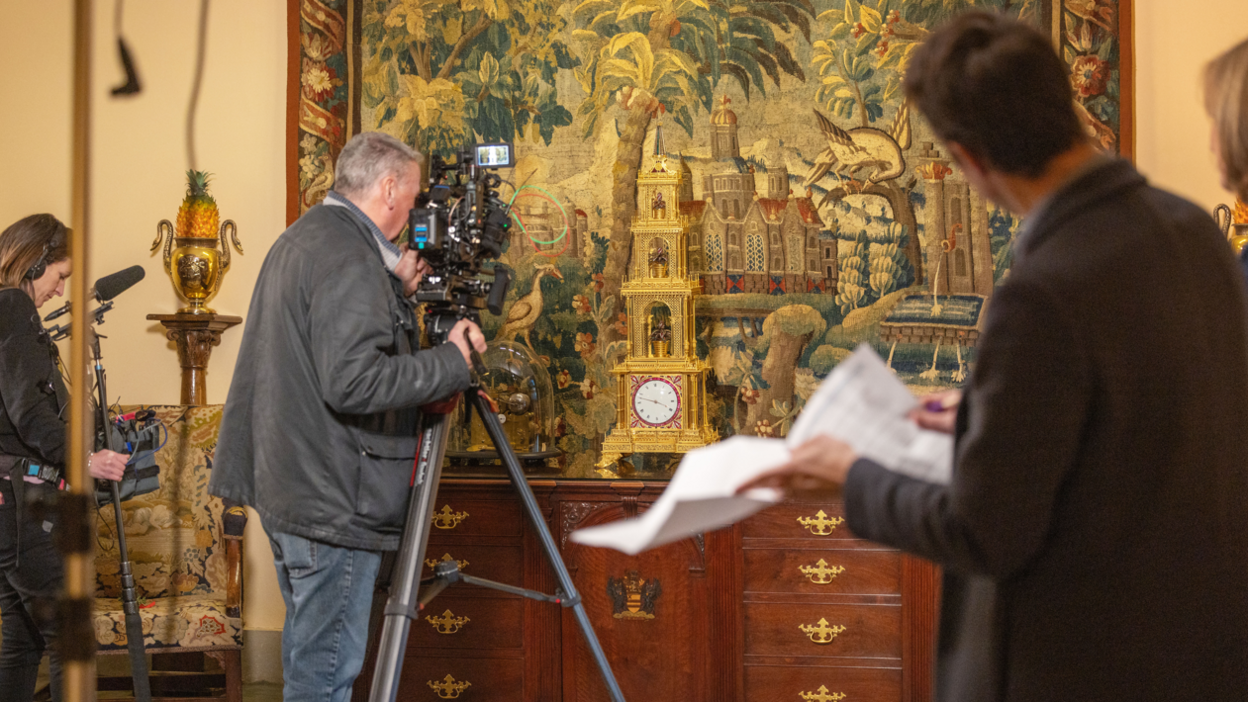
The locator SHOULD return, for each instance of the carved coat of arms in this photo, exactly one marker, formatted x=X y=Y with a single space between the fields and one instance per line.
x=633 y=597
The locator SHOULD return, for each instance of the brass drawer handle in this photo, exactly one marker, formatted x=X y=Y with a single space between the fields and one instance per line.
x=820 y=573
x=822 y=695
x=446 y=558
x=819 y=525
x=448 y=689
x=446 y=519
x=448 y=623
x=821 y=633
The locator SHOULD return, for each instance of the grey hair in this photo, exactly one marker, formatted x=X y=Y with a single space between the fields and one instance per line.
x=1226 y=100
x=368 y=158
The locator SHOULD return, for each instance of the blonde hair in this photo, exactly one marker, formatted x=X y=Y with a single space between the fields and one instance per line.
x=1226 y=101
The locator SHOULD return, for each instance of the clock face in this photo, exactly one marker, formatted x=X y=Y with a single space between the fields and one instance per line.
x=656 y=401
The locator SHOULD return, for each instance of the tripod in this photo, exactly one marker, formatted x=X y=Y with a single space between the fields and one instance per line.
x=407 y=600
x=129 y=604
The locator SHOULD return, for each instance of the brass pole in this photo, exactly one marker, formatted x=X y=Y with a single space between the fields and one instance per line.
x=76 y=635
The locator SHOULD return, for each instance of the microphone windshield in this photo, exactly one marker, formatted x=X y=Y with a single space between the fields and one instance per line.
x=111 y=286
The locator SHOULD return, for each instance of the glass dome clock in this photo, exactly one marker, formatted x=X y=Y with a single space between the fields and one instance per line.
x=521 y=387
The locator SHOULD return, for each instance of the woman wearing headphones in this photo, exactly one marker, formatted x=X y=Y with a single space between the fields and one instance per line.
x=34 y=263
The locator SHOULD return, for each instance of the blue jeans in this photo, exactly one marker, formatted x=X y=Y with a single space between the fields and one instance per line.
x=328 y=592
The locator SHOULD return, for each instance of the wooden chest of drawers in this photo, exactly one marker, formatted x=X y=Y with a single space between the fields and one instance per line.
x=787 y=605
x=826 y=616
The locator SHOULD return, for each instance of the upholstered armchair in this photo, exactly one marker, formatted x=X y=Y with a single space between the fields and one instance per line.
x=187 y=551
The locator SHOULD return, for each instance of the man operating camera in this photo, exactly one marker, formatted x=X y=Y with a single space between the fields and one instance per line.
x=320 y=427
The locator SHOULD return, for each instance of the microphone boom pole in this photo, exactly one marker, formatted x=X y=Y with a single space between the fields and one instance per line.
x=129 y=601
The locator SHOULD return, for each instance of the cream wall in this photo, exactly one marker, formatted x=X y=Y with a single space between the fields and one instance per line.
x=139 y=157
x=138 y=161
x=1174 y=40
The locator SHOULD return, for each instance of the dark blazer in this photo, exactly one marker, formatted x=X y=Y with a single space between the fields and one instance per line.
x=32 y=394
x=320 y=426
x=1093 y=538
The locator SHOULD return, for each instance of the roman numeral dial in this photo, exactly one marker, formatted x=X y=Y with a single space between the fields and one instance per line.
x=656 y=402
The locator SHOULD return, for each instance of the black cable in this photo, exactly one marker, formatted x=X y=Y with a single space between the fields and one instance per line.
x=199 y=75
x=131 y=86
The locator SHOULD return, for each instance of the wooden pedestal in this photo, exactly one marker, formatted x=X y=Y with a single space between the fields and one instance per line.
x=195 y=335
x=729 y=623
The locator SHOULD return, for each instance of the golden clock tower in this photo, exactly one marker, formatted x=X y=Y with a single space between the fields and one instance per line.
x=661 y=385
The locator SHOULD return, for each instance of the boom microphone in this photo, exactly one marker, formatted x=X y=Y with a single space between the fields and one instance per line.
x=111 y=286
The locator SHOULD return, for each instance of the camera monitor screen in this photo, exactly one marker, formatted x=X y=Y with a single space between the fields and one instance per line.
x=494 y=155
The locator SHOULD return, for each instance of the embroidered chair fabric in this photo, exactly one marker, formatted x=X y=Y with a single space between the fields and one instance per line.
x=186 y=550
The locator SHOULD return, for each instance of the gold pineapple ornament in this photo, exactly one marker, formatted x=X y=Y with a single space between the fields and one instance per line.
x=192 y=259
x=661 y=402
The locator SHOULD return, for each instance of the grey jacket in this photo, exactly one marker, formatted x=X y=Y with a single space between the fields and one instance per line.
x=1093 y=537
x=321 y=423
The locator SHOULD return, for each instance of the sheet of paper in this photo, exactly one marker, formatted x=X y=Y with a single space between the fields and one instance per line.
x=700 y=497
x=861 y=403
x=864 y=404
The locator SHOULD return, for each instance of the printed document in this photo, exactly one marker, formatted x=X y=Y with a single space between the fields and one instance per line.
x=861 y=403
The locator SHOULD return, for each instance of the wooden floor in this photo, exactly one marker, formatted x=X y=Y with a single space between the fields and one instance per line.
x=262 y=692
x=252 y=692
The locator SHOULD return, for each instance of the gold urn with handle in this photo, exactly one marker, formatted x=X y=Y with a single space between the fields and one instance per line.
x=197 y=253
x=1234 y=224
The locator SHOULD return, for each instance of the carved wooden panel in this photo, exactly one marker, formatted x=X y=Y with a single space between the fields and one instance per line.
x=658 y=645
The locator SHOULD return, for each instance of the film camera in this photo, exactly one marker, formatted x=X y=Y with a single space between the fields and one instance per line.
x=458 y=224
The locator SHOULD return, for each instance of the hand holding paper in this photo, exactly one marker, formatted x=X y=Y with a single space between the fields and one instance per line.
x=701 y=497
x=863 y=404
x=816 y=468
x=860 y=410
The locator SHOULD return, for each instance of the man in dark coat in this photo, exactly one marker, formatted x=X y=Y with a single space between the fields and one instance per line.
x=321 y=424
x=1092 y=537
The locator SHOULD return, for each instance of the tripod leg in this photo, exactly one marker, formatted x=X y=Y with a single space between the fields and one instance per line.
x=405 y=582
x=495 y=430
x=130 y=607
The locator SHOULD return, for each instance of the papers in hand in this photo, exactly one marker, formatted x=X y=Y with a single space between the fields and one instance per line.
x=861 y=403
x=700 y=497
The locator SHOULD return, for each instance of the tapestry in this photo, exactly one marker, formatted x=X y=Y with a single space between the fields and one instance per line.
x=825 y=212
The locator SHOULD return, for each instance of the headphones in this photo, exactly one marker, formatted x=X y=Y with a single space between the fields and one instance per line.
x=41 y=266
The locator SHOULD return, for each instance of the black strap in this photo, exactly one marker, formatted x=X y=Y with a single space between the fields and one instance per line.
x=17 y=469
